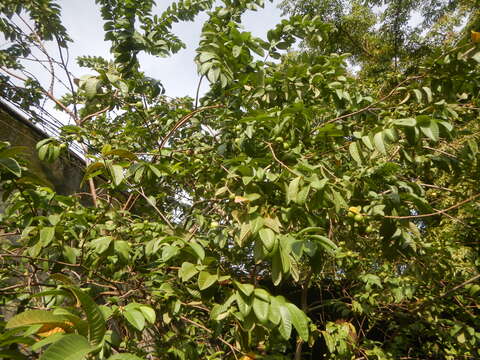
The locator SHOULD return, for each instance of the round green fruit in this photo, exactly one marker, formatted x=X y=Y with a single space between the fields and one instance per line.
x=351 y=214
x=286 y=145
x=358 y=218
x=369 y=229
x=214 y=225
x=279 y=139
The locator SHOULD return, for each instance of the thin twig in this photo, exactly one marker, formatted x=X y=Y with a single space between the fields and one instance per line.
x=366 y=108
x=439 y=212
x=279 y=161
x=142 y=194
x=184 y=119
x=232 y=348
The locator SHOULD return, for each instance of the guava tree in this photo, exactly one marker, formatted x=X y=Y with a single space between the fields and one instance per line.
x=295 y=211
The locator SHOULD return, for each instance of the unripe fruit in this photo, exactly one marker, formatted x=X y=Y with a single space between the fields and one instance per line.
x=279 y=139
x=286 y=145
x=369 y=229
x=214 y=225
x=358 y=218
x=351 y=214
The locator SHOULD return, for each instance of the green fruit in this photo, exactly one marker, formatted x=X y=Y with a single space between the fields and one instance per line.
x=369 y=229
x=286 y=145
x=358 y=218
x=238 y=127
x=214 y=225
x=351 y=214
x=279 y=139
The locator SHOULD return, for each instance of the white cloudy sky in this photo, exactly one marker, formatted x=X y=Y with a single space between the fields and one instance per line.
x=178 y=73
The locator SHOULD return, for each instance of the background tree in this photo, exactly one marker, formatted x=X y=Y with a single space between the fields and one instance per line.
x=387 y=36
x=294 y=211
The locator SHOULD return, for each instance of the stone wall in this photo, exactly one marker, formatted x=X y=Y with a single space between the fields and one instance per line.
x=64 y=175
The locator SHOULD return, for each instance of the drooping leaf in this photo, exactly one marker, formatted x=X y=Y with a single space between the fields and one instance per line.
x=124 y=356
x=96 y=322
x=205 y=280
x=260 y=308
x=299 y=321
x=135 y=318
x=32 y=317
x=11 y=165
x=68 y=347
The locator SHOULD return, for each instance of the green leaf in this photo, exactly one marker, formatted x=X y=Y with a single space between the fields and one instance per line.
x=187 y=271
x=236 y=51
x=96 y=322
x=169 y=252
x=148 y=313
x=198 y=249
x=292 y=191
x=476 y=57
x=124 y=356
x=247 y=289
x=205 y=280
x=68 y=347
x=135 y=318
x=91 y=87
x=122 y=248
x=418 y=95
x=117 y=174
x=47 y=341
x=355 y=151
x=299 y=321
x=260 y=308
x=277 y=268
x=431 y=130
x=274 y=315
x=32 y=317
x=256 y=224
x=379 y=143
x=46 y=235
x=244 y=303
x=11 y=165
x=101 y=244
x=285 y=326
x=410 y=122
x=428 y=91
x=327 y=244
x=268 y=238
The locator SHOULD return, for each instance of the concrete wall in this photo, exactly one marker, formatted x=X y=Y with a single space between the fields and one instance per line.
x=64 y=175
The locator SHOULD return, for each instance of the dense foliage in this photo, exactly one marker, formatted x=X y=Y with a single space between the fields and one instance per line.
x=297 y=210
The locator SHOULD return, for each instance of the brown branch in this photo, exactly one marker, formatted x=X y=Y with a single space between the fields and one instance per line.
x=440 y=151
x=162 y=215
x=93 y=115
x=184 y=119
x=232 y=348
x=279 y=161
x=62 y=263
x=455 y=288
x=439 y=212
x=366 y=108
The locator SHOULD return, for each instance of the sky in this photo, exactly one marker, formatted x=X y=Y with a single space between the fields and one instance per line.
x=178 y=73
